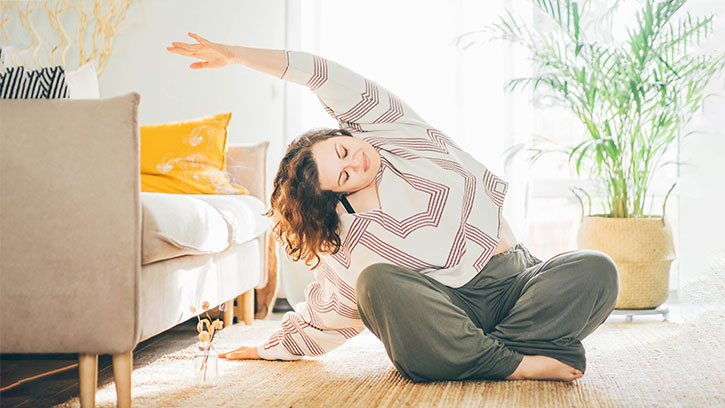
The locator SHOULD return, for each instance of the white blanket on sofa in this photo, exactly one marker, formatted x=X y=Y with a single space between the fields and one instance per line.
x=177 y=224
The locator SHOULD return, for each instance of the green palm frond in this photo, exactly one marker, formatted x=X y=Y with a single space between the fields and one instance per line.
x=632 y=99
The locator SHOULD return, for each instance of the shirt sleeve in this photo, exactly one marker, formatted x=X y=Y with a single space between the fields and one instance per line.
x=356 y=102
x=326 y=319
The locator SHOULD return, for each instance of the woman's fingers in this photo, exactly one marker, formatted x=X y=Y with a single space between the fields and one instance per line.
x=183 y=46
x=212 y=55
x=225 y=355
x=242 y=353
x=187 y=47
x=199 y=38
x=180 y=51
x=237 y=355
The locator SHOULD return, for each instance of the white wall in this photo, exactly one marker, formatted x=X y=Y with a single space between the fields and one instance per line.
x=702 y=179
x=170 y=91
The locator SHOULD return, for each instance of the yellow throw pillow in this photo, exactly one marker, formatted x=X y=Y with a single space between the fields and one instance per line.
x=187 y=157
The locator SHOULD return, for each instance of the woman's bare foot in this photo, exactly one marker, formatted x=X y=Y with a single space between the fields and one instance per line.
x=544 y=368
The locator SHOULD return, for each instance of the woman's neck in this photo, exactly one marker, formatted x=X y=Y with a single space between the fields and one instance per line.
x=364 y=200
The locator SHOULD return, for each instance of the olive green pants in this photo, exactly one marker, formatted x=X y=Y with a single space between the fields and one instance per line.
x=517 y=305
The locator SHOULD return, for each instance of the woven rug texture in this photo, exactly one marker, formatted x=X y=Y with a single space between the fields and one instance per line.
x=638 y=364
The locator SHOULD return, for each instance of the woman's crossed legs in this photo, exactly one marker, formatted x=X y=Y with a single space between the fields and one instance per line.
x=429 y=338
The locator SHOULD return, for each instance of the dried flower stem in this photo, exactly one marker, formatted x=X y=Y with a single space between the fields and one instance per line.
x=212 y=328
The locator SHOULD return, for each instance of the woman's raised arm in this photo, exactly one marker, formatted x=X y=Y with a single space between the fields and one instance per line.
x=357 y=103
x=214 y=55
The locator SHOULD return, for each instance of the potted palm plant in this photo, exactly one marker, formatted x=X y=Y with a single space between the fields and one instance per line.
x=633 y=98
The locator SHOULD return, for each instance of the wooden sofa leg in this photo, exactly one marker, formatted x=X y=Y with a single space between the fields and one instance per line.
x=122 y=367
x=228 y=313
x=88 y=372
x=246 y=306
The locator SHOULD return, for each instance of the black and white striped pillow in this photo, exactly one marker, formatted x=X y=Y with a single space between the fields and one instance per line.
x=44 y=83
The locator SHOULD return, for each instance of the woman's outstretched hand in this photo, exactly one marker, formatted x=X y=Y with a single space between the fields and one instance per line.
x=242 y=353
x=213 y=55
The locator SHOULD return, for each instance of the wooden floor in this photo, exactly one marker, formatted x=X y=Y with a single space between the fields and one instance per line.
x=44 y=380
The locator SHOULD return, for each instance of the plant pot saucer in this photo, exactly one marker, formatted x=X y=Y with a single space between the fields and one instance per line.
x=630 y=313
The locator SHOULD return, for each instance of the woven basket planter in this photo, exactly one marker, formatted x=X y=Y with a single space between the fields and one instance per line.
x=643 y=250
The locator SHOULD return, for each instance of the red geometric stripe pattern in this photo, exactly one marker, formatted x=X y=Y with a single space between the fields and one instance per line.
x=357 y=228
x=342 y=287
x=292 y=347
x=392 y=254
x=284 y=336
x=348 y=333
x=317 y=304
x=437 y=142
x=484 y=241
x=274 y=340
x=495 y=187
x=294 y=326
x=319 y=76
x=351 y=126
x=458 y=249
x=377 y=142
x=315 y=320
x=441 y=139
x=368 y=101
x=329 y=110
x=469 y=193
x=393 y=113
x=286 y=64
x=438 y=196
x=403 y=153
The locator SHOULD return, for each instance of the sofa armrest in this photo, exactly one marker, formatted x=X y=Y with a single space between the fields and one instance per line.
x=247 y=166
x=70 y=230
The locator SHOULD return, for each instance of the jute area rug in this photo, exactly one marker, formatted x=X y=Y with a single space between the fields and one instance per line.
x=640 y=364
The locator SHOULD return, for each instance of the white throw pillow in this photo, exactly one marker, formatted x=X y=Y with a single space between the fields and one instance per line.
x=176 y=224
x=83 y=82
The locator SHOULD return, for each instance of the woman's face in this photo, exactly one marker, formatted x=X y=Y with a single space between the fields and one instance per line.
x=346 y=164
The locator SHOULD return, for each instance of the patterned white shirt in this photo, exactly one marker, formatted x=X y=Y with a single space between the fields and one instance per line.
x=440 y=209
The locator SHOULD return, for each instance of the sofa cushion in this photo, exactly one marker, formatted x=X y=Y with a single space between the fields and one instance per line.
x=176 y=225
x=179 y=224
x=187 y=157
x=243 y=213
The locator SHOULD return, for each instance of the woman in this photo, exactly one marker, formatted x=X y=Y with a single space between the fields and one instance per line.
x=407 y=237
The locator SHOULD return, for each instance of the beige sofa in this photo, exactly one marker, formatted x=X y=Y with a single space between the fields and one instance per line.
x=74 y=225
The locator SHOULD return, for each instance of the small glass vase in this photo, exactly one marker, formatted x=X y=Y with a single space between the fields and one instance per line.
x=206 y=365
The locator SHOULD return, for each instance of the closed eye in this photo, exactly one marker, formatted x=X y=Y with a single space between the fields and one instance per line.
x=340 y=180
x=344 y=154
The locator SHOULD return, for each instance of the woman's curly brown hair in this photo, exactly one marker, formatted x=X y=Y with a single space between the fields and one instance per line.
x=305 y=216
